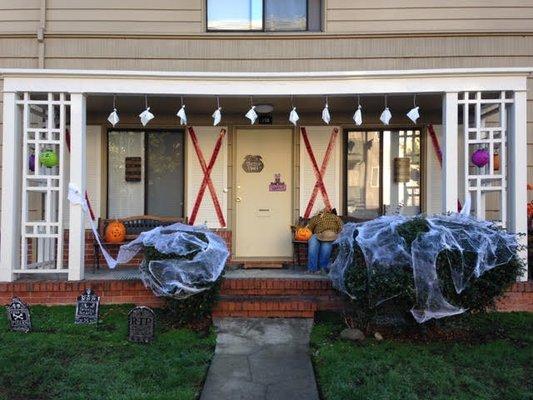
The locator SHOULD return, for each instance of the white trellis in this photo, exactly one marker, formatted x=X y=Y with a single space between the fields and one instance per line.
x=485 y=128
x=42 y=187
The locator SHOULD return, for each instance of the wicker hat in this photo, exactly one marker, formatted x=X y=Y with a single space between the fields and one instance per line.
x=327 y=236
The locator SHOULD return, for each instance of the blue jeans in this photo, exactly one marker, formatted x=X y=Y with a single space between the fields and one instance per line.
x=318 y=254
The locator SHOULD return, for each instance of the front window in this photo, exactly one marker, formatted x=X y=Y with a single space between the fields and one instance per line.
x=145 y=173
x=383 y=173
x=263 y=15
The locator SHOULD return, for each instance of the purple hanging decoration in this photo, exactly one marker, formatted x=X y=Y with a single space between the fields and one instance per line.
x=480 y=157
x=32 y=162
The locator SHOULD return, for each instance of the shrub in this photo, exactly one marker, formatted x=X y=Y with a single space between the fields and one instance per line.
x=392 y=289
x=194 y=308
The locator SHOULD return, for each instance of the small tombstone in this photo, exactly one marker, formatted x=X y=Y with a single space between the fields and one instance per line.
x=87 y=307
x=141 y=325
x=18 y=314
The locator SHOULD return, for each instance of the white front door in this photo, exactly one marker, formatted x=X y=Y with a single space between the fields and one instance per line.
x=263 y=192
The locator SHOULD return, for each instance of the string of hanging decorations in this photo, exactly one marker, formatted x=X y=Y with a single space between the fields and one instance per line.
x=252 y=115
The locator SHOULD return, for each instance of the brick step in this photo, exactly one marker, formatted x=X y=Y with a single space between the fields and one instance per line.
x=265 y=306
x=276 y=287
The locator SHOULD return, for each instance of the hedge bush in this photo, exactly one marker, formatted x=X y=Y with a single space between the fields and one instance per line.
x=193 y=308
x=397 y=284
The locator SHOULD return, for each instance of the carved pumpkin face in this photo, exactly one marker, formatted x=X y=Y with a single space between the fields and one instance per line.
x=48 y=158
x=115 y=232
x=303 y=234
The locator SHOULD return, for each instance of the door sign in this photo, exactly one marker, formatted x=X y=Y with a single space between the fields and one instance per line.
x=277 y=185
x=253 y=164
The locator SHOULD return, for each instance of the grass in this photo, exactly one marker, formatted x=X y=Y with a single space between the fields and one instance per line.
x=496 y=364
x=63 y=361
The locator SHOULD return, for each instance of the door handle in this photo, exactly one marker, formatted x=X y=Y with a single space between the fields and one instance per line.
x=238 y=199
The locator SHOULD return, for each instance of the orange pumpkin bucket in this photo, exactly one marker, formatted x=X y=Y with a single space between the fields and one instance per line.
x=303 y=234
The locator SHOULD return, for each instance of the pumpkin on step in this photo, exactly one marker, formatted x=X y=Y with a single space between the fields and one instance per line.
x=303 y=234
x=115 y=232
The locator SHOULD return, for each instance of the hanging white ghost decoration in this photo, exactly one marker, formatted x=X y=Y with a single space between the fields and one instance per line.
x=113 y=117
x=146 y=116
x=358 y=115
x=414 y=114
x=181 y=114
x=251 y=115
x=385 y=116
x=217 y=116
x=293 y=116
x=326 y=116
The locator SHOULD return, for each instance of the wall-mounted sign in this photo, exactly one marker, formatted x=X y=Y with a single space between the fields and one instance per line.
x=277 y=185
x=18 y=315
x=264 y=119
x=133 y=169
x=253 y=164
x=87 y=307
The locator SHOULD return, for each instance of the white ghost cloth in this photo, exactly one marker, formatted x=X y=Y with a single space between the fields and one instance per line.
x=385 y=116
x=326 y=116
x=181 y=114
x=251 y=115
x=358 y=116
x=293 y=116
x=414 y=114
x=217 y=116
x=76 y=197
x=113 y=117
x=146 y=116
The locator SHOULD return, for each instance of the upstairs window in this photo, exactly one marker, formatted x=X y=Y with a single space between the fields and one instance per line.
x=263 y=15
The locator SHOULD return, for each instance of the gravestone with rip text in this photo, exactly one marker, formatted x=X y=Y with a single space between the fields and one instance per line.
x=141 y=325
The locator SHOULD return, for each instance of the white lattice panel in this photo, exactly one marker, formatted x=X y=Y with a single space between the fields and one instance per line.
x=43 y=129
x=485 y=130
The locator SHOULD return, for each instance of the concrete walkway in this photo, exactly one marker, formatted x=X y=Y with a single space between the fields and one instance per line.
x=261 y=359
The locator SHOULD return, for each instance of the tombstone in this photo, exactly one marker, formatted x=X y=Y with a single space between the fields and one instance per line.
x=18 y=314
x=87 y=307
x=141 y=325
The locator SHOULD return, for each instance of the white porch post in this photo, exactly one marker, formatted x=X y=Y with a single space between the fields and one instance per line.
x=11 y=188
x=517 y=139
x=450 y=162
x=76 y=239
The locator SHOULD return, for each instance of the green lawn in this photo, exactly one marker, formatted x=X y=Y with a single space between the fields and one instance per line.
x=495 y=363
x=60 y=360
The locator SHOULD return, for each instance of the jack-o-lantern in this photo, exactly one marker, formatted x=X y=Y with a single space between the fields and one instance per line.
x=303 y=234
x=49 y=158
x=115 y=232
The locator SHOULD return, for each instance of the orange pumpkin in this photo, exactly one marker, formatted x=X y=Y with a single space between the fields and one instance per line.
x=115 y=232
x=303 y=234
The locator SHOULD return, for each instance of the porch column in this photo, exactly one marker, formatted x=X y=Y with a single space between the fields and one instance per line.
x=76 y=238
x=450 y=162
x=11 y=188
x=517 y=178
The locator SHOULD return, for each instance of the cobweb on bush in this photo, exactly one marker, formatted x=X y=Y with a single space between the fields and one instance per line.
x=203 y=255
x=385 y=250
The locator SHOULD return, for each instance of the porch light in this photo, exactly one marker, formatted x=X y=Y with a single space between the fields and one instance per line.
x=386 y=115
x=413 y=115
x=217 y=115
x=251 y=114
x=113 y=116
x=181 y=114
x=326 y=117
x=358 y=115
x=146 y=116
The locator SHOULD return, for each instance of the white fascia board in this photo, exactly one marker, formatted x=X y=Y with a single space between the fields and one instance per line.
x=267 y=84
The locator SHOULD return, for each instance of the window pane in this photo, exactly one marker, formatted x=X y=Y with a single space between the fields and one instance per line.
x=243 y=15
x=285 y=15
x=363 y=174
x=126 y=199
x=164 y=174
